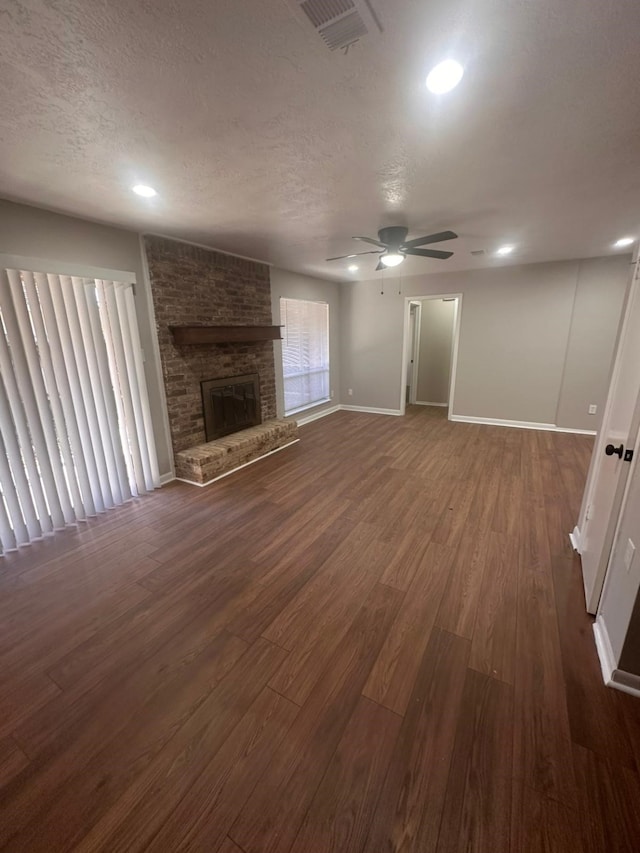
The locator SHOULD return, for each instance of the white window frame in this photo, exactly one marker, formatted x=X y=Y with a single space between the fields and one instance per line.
x=325 y=398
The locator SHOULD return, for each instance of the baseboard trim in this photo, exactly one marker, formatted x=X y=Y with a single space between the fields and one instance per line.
x=238 y=467
x=371 y=410
x=167 y=478
x=467 y=419
x=314 y=416
x=574 y=538
x=576 y=431
x=626 y=682
x=422 y=403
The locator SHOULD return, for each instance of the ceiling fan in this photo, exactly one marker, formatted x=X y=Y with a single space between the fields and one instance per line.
x=394 y=246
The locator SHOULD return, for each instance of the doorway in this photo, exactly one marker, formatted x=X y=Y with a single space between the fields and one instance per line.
x=430 y=351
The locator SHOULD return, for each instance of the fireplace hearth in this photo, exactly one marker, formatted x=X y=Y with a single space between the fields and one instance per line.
x=230 y=404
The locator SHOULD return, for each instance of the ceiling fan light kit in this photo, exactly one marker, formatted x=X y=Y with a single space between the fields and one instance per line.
x=393 y=246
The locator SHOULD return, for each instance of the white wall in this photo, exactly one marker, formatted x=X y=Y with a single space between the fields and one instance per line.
x=434 y=351
x=592 y=338
x=35 y=233
x=296 y=286
x=530 y=336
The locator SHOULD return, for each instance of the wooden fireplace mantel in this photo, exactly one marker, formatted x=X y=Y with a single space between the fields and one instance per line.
x=224 y=334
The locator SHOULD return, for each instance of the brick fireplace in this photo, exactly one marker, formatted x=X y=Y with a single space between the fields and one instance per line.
x=196 y=286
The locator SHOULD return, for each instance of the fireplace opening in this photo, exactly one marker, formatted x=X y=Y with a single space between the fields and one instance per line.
x=230 y=404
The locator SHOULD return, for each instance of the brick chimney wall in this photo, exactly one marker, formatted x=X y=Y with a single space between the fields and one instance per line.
x=196 y=286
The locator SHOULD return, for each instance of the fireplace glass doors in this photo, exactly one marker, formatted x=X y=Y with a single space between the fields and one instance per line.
x=230 y=404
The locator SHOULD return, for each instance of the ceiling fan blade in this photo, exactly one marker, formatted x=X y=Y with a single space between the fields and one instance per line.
x=428 y=253
x=372 y=241
x=353 y=255
x=431 y=238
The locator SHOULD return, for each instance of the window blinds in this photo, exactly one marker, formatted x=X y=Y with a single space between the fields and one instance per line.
x=75 y=427
x=305 y=353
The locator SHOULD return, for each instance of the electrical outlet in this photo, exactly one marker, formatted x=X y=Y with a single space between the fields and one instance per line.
x=350 y=392
x=593 y=409
x=629 y=554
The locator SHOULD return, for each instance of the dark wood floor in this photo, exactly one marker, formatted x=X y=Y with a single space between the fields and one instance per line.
x=372 y=641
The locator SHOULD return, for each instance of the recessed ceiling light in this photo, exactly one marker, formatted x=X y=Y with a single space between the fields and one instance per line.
x=144 y=191
x=444 y=77
x=392 y=259
x=352 y=268
x=505 y=250
x=624 y=241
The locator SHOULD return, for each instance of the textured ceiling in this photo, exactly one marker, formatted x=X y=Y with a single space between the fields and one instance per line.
x=263 y=142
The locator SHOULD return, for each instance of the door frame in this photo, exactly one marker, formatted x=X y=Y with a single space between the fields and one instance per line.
x=454 y=346
x=414 y=352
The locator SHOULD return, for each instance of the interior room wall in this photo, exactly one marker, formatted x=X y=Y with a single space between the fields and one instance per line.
x=41 y=234
x=289 y=285
x=523 y=338
x=434 y=351
x=592 y=339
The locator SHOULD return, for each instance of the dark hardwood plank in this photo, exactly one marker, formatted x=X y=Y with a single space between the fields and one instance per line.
x=79 y=712
x=12 y=760
x=461 y=598
x=21 y=695
x=609 y=804
x=201 y=819
x=342 y=808
x=542 y=738
x=331 y=617
x=90 y=762
x=393 y=676
x=54 y=636
x=596 y=714
x=454 y=515
x=477 y=812
x=358 y=550
x=412 y=800
x=493 y=646
x=113 y=791
x=228 y=846
x=140 y=631
x=37 y=606
x=283 y=579
x=407 y=557
x=270 y=820
x=542 y=825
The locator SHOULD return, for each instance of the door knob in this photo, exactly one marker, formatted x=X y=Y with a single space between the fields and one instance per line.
x=610 y=450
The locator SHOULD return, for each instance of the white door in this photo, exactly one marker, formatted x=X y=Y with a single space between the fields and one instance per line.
x=609 y=469
x=623 y=574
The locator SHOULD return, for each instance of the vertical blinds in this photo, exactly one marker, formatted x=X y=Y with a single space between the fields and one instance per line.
x=305 y=353
x=75 y=427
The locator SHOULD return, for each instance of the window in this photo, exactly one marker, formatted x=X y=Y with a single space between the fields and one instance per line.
x=305 y=353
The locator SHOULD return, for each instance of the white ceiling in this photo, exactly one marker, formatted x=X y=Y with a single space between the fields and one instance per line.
x=263 y=142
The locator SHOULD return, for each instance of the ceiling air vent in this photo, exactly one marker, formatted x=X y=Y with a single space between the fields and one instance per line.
x=339 y=23
x=320 y=12
x=478 y=252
